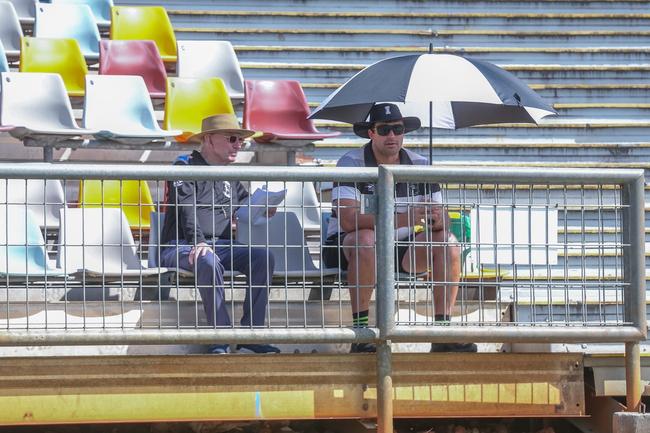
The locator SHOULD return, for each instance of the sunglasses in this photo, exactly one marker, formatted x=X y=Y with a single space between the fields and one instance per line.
x=384 y=130
x=234 y=139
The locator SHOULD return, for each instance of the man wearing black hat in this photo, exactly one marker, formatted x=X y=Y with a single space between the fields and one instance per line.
x=351 y=235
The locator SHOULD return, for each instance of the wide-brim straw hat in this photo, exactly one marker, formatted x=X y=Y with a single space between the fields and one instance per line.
x=224 y=124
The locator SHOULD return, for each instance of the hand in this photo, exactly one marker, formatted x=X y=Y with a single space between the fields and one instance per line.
x=200 y=250
x=270 y=212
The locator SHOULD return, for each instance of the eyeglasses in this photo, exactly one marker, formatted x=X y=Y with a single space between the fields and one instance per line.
x=384 y=130
x=234 y=139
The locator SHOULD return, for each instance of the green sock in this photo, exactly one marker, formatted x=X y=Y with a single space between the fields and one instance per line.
x=360 y=319
x=443 y=319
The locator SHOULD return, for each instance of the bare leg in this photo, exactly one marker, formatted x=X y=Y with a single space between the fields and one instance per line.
x=359 y=250
x=445 y=271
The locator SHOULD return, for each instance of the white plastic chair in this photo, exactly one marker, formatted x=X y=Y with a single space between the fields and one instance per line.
x=22 y=247
x=4 y=65
x=206 y=59
x=301 y=200
x=25 y=10
x=101 y=9
x=37 y=104
x=43 y=198
x=284 y=236
x=69 y=21
x=10 y=29
x=119 y=107
x=98 y=243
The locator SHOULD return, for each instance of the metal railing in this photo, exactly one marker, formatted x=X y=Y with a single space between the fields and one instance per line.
x=545 y=256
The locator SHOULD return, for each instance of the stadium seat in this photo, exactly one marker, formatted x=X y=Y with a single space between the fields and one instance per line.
x=190 y=100
x=101 y=9
x=286 y=240
x=59 y=56
x=4 y=65
x=47 y=111
x=25 y=10
x=120 y=108
x=145 y=23
x=98 y=243
x=22 y=247
x=134 y=58
x=10 y=30
x=43 y=198
x=279 y=109
x=69 y=21
x=132 y=196
x=300 y=199
x=206 y=59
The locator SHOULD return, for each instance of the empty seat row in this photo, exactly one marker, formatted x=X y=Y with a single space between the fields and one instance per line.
x=118 y=107
x=199 y=59
x=26 y=9
x=74 y=20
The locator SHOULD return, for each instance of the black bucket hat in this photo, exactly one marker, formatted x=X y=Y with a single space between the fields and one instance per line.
x=385 y=113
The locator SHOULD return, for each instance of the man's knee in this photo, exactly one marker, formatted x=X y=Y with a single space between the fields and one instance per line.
x=360 y=245
x=210 y=264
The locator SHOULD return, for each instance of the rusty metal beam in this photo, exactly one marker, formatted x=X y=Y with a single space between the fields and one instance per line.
x=49 y=390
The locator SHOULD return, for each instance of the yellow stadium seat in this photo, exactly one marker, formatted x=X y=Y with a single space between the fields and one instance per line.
x=190 y=100
x=134 y=199
x=145 y=23
x=59 y=56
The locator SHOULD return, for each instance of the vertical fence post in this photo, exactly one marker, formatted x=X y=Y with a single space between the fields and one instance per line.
x=634 y=277
x=385 y=295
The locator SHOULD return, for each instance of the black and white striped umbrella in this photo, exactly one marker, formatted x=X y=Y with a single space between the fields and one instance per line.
x=455 y=91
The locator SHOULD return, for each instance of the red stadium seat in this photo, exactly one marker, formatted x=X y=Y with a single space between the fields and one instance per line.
x=134 y=58
x=279 y=109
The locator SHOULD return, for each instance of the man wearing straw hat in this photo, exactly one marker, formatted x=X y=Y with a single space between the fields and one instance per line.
x=198 y=231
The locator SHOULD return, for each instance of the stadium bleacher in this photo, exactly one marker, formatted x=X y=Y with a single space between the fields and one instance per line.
x=592 y=65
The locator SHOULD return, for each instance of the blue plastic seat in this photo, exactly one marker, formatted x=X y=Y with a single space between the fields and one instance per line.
x=69 y=21
x=10 y=30
x=119 y=107
x=22 y=247
x=4 y=65
x=101 y=9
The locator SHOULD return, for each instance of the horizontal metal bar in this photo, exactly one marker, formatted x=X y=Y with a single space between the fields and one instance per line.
x=515 y=175
x=515 y=334
x=180 y=336
x=166 y=172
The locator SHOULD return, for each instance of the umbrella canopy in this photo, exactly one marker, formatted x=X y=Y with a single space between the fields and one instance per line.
x=456 y=91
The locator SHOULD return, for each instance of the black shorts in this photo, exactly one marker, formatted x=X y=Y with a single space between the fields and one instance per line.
x=333 y=255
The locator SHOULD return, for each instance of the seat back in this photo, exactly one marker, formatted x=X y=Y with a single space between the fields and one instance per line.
x=10 y=29
x=96 y=239
x=71 y=21
x=190 y=100
x=4 y=65
x=119 y=104
x=22 y=247
x=133 y=197
x=285 y=237
x=276 y=106
x=134 y=58
x=101 y=9
x=300 y=199
x=43 y=198
x=145 y=23
x=47 y=108
x=58 y=56
x=206 y=59
x=25 y=9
